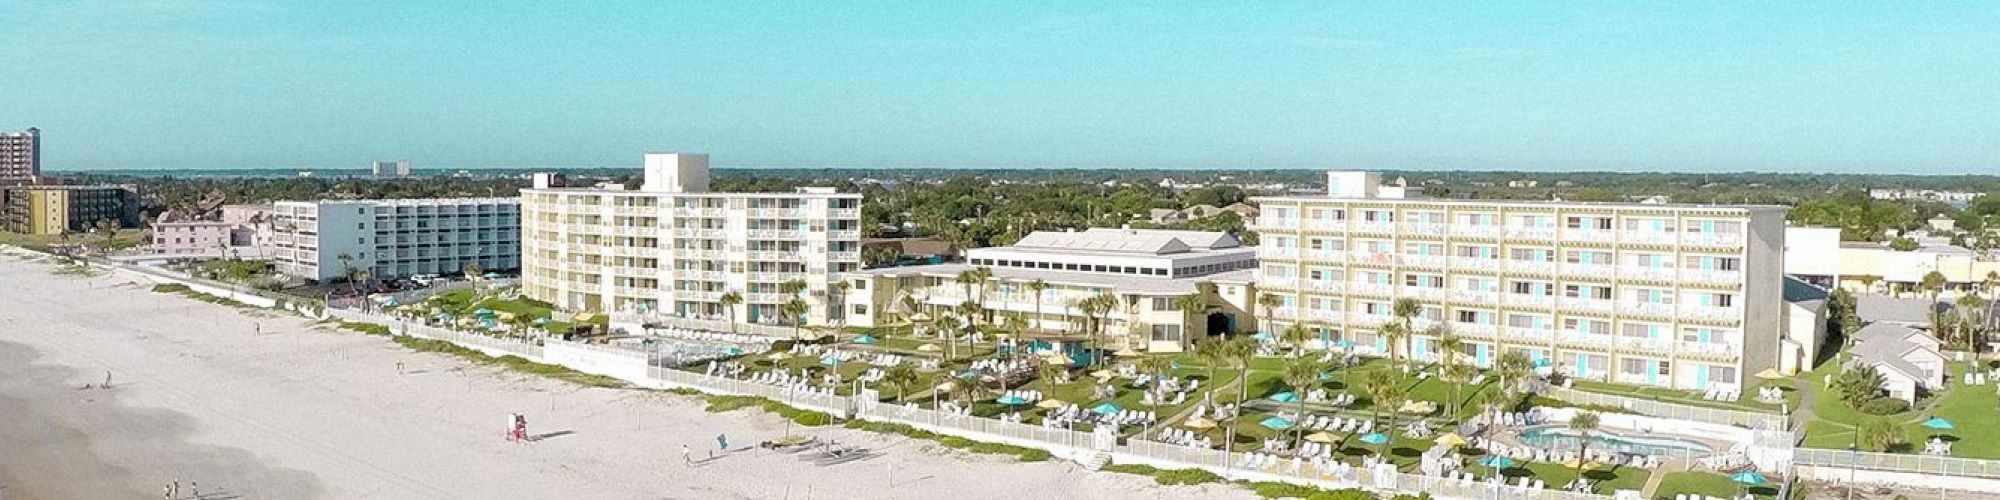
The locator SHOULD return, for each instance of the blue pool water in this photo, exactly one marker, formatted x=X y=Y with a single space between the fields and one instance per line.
x=1563 y=438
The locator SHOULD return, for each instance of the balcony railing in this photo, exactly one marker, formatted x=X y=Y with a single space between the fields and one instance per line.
x=1324 y=255
x=843 y=234
x=1531 y=232
x=1712 y=277
x=1475 y=329
x=1645 y=344
x=1650 y=237
x=1531 y=266
x=1377 y=258
x=847 y=256
x=1586 y=340
x=843 y=213
x=1589 y=235
x=1476 y=263
x=1521 y=300
x=1711 y=349
x=768 y=297
x=696 y=232
x=1277 y=224
x=1713 y=239
x=1646 y=273
x=698 y=295
x=1424 y=260
x=1476 y=296
x=776 y=213
x=1654 y=309
x=1280 y=282
x=1270 y=252
x=1712 y=313
x=778 y=234
x=1599 y=271
x=1477 y=230
x=1435 y=294
x=1325 y=225
x=776 y=255
x=699 y=275
x=1323 y=286
x=1587 y=305
x=635 y=230
x=1373 y=226
x=1528 y=335
x=697 y=212
x=773 y=277
x=1376 y=289
x=632 y=210
x=1425 y=228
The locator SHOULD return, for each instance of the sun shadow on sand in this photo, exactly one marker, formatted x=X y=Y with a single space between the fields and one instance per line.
x=547 y=435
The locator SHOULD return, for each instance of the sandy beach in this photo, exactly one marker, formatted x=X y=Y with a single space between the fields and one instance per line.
x=303 y=411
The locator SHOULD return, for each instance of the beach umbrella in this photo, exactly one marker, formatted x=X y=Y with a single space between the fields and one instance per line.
x=1102 y=374
x=1452 y=439
x=864 y=339
x=1106 y=409
x=1541 y=363
x=492 y=275
x=780 y=356
x=482 y=311
x=1496 y=461
x=541 y=321
x=920 y=317
x=1770 y=374
x=1263 y=336
x=1276 y=423
x=732 y=351
x=1321 y=437
x=946 y=387
x=1374 y=438
x=1936 y=423
x=1128 y=353
x=1010 y=400
x=1199 y=423
x=928 y=348
x=1050 y=404
x=1748 y=477
x=1059 y=359
x=1285 y=397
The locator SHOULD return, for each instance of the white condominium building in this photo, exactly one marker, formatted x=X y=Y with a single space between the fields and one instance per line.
x=1684 y=296
x=324 y=239
x=674 y=248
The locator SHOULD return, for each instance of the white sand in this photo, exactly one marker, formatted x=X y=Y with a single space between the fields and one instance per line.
x=305 y=412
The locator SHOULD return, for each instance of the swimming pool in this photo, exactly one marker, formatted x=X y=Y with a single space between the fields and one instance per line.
x=1563 y=438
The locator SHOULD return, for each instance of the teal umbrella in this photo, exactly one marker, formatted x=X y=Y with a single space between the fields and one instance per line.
x=864 y=339
x=1938 y=424
x=1285 y=397
x=541 y=321
x=1276 y=423
x=1374 y=438
x=492 y=275
x=1011 y=400
x=1106 y=409
x=1496 y=461
x=482 y=311
x=1748 y=477
x=732 y=351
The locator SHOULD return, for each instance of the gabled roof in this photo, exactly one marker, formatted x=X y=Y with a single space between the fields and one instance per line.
x=1145 y=242
x=1889 y=346
x=1206 y=240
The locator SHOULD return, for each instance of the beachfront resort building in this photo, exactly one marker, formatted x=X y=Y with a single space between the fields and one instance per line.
x=1675 y=295
x=1818 y=255
x=51 y=209
x=673 y=248
x=20 y=156
x=324 y=240
x=1043 y=281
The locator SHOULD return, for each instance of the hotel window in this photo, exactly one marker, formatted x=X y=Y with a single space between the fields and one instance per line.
x=1533 y=288
x=1375 y=308
x=1708 y=335
x=1529 y=321
x=1704 y=226
x=1375 y=277
x=1425 y=217
x=1163 y=304
x=1423 y=280
x=1588 y=257
x=1377 y=246
x=1329 y=214
x=1475 y=317
x=1649 y=225
x=1534 y=221
x=1166 y=333
x=1587 y=223
x=1378 y=216
x=1478 y=251
x=1423 y=249
x=1721 y=374
x=1478 y=219
x=1711 y=299
x=1532 y=254
x=1651 y=295
x=1712 y=263
x=1642 y=331
x=1323 y=244
x=1587 y=326
x=1587 y=292
x=1648 y=260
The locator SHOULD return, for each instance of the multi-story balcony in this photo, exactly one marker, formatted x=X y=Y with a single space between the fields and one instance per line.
x=1434 y=294
x=776 y=234
x=701 y=295
x=1424 y=228
x=776 y=255
x=624 y=251
x=1323 y=286
x=768 y=297
x=1476 y=296
x=1374 y=258
x=1282 y=253
x=1285 y=314
x=1713 y=239
x=1324 y=255
x=1712 y=313
x=1650 y=237
x=776 y=213
x=1481 y=330
x=583 y=267
x=1595 y=271
x=584 y=228
x=634 y=210
x=844 y=256
x=1374 y=289
x=1278 y=282
x=1325 y=225
x=635 y=230
x=774 y=277
x=1476 y=264
x=1526 y=301
x=1646 y=273
x=698 y=275
x=1277 y=224
x=1526 y=335
x=1581 y=339
x=1432 y=261
x=1653 y=309
x=1531 y=232
x=1589 y=235
x=701 y=254
x=1711 y=277
x=699 y=212
x=1372 y=226
x=1531 y=266
x=1574 y=304
x=1645 y=344
x=1477 y=230
x=843 y=213
x=696 y=232
x=633 y=291
x=636 y=271
x=1363 y=320
x=843 y=234
x=1713 y=350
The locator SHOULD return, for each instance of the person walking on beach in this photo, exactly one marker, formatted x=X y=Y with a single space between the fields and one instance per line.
x=399 y=367
x=107 y=379
x=256 y=329
x=722 y=442
x=687 y=455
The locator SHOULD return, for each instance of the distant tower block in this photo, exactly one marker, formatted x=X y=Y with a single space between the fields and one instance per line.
x=676 y=173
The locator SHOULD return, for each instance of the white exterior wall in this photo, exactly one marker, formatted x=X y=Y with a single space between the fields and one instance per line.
x=1812 y=251
x=396 y=238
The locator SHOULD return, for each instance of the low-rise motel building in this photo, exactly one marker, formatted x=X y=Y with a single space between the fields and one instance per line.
x=1659 y=294
x=1042 y=286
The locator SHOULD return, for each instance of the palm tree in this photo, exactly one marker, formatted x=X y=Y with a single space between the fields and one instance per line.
x=1384 y=392
x=836 y=295
x=472 y=271
x=1932 y=285
x=1267 y=305
x=968 y=278
x=947 y=326
x=1448 y=347
x=1393 y=334
x=1191 y=306
x=1971 y=312
x=968 y=391
x=1296 y=335
x=1511 y=368
x=902 y=377
x=796 y=310
x=1239 y=352
x=1878 y=435
x=1050 y=373
x=1094 y=308
x=1583 y=423
x=1037 y=287
x=1405 y=310
x=1301 y=374
x=1209 y=350
x=729 y=301
x=1991 y=284
x=970 y=311
x=1156 y=366
x=109 y=229
x=346 y=268
x=983 y=277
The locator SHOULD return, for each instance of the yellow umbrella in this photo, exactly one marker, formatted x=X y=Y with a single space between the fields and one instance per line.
x=920 y=317
x=1128 y=353
x=946 y=387
x=1199 y=423
x=1102 y=374
x=1058 y=359
x=1452 y=439
x=929 y=348
x=1770 y=374
x=780 y=356
x=1050 y=404
x=1579 y=463
x=1321 y=437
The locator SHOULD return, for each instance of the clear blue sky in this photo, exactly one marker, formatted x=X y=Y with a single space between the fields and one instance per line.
x=1725 y=86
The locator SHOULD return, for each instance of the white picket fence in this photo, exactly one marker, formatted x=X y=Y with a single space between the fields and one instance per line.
x=1921 y=464
x=1753 y=420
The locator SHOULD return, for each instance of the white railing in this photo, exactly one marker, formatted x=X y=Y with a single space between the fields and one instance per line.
x=1712 y=313
x=635 y=230
x=697 y=295
x=1272 y=252
x=1287 y=282
x=843 y=234
x=1477 y=230
x=1376 y=289
x=1476 y=296
x=767 y=298
x=1530 y=301
x=1326 y=225
x=1751 y=419
x=1590 y=270
x=696 y=232
x=1712 y=239
x=1712 y=277
x=697 y=212
x=1326 y=286
x=782 y=234
x=1589 y=235
x=1374 y=226
x=1531 y=232
x=1424 y=260
x=848 y=256
x=1711 y=349
x=1427 y=293
x=775 y=213
x=776 y=255
x=1646 y=272
x=1531 y=266
x=1479 y=263
x=1536 y=335
x=1365 y=257
x=1650 y=237
x=1586 y=340
x=1425 y=228
x=1587 y=305
x=1922 y=464
x=697 y=274
x=843 y=213
x=1277 y=223
x=1647 y=309
x=1324 y=255
x=632 y=210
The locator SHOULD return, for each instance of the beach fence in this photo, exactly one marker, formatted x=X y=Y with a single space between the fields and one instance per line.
x=492 y=346
x=1750 y=419
x=713 y=325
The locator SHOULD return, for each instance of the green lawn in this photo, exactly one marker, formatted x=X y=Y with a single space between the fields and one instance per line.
x=126 y=238
x=1967 y=406
x=461 y=303
x=1690 y=398
x=1605 y=480
x=1709 y=484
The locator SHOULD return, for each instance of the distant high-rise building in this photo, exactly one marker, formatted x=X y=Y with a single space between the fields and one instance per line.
x=398 y=168
x=46 y=210
x=324 y=239
x=20 y=156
